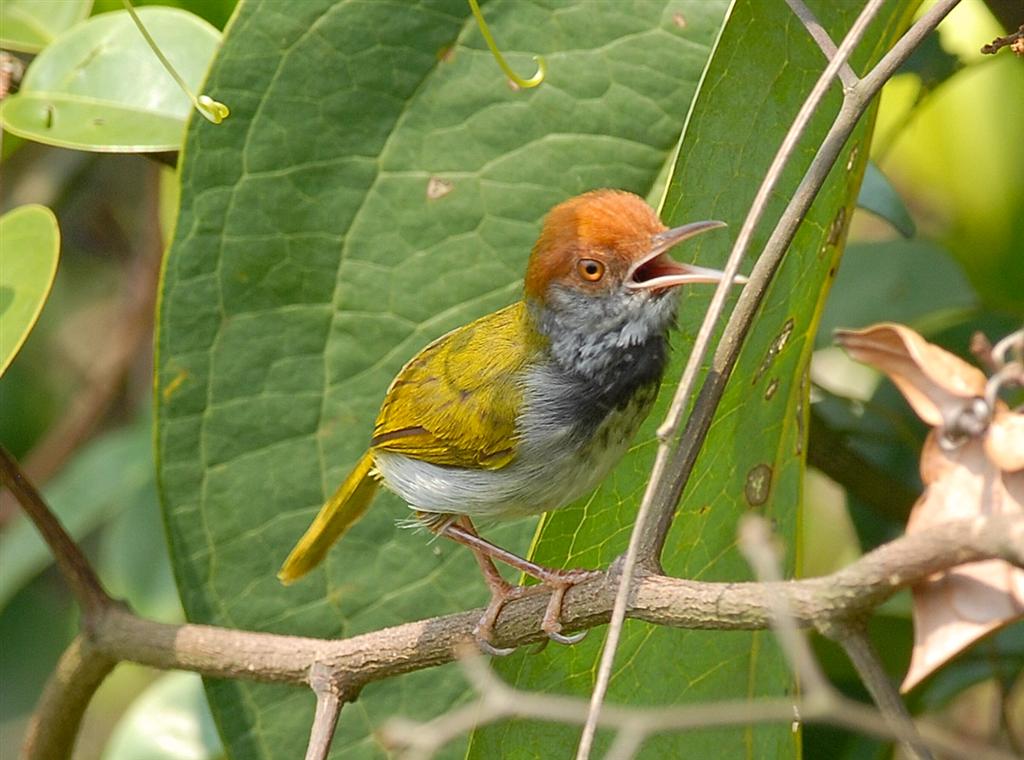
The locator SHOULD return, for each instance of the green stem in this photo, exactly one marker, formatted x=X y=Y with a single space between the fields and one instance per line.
x=211 y=109
x=542 y=67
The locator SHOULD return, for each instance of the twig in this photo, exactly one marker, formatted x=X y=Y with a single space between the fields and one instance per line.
x=820 y=35
x=329 y=699
x=73 y=565
x=1013 y=41
x=755 y=541
x=497 y=701
x=854 y=640
x=648 y=536
x=54 y=725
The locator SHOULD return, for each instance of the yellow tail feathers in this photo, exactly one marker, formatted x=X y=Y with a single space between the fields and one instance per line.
x=335 y=517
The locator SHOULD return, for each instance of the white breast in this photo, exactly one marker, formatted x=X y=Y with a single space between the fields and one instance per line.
x=556 y=462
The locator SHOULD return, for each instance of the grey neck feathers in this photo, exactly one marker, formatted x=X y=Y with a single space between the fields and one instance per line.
x=610 y=346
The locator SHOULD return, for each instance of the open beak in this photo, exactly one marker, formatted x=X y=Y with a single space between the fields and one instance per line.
x=659 y=271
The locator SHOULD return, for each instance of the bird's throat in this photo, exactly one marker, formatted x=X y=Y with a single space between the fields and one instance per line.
x=609 y=351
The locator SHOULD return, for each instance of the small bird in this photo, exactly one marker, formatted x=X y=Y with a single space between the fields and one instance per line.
x=528 y=408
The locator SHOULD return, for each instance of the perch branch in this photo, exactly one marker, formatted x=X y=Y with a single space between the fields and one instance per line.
x=755 y=541
x=112 y=633
x=848 y=594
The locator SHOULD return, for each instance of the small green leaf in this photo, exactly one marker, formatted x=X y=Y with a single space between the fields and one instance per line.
x=30 y=25
x=101 y=88
x=169 y=721
x=30 y=239
x=878 y=196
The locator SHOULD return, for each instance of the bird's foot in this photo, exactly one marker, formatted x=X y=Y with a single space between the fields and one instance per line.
x=560 y=581
x=501 y=594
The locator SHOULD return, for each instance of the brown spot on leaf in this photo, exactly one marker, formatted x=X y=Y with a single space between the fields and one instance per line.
x=446 y=53
x=853 y=157
x=438 y=188
x=679 y=20
x=758 y=485
x=774 y=349
x=835 y=230
x=773 y=385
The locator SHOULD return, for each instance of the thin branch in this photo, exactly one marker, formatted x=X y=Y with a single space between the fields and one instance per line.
x=497 y=701
x=755 y=540
x=73 y=565
x=54 y=724
x=854 y=640
x=654 y=515
x=329 y=699
x=1013 y=41
x=821 y=37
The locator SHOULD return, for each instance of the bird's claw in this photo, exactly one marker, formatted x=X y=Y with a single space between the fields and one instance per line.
x=485 y=646
x=561 y=638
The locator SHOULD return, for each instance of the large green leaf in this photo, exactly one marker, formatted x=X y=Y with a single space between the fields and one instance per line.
x=762 y=68
x=377 y=184
x=100 y=86
x=30 y=239
x=31 y=25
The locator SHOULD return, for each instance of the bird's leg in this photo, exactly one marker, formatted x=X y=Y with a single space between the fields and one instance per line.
x=501 y=592
x=559 y=581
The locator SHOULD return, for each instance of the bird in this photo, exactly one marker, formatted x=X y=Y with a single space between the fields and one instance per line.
x=526 y=409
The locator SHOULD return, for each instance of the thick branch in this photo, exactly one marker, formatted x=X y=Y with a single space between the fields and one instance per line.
x=819 y=602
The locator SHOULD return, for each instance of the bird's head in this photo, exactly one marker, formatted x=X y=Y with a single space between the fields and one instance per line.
x=601 y=264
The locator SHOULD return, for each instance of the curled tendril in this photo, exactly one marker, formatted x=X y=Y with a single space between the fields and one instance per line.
x=212 y=110
x=542 y=67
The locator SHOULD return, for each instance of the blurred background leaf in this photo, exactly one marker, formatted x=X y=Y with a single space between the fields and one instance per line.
x=100 y=86
x=30 y=25
x=169 y=721
x=31 y=242
x=878 y=196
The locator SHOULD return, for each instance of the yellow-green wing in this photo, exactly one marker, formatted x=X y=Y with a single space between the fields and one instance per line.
x=456 y=402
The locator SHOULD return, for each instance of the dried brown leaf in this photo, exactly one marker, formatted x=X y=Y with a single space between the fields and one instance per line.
x=935 y=382
x=973 y=476
x=1004 y=443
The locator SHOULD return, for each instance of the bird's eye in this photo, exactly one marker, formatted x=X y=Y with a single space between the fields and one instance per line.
x=590 y=269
